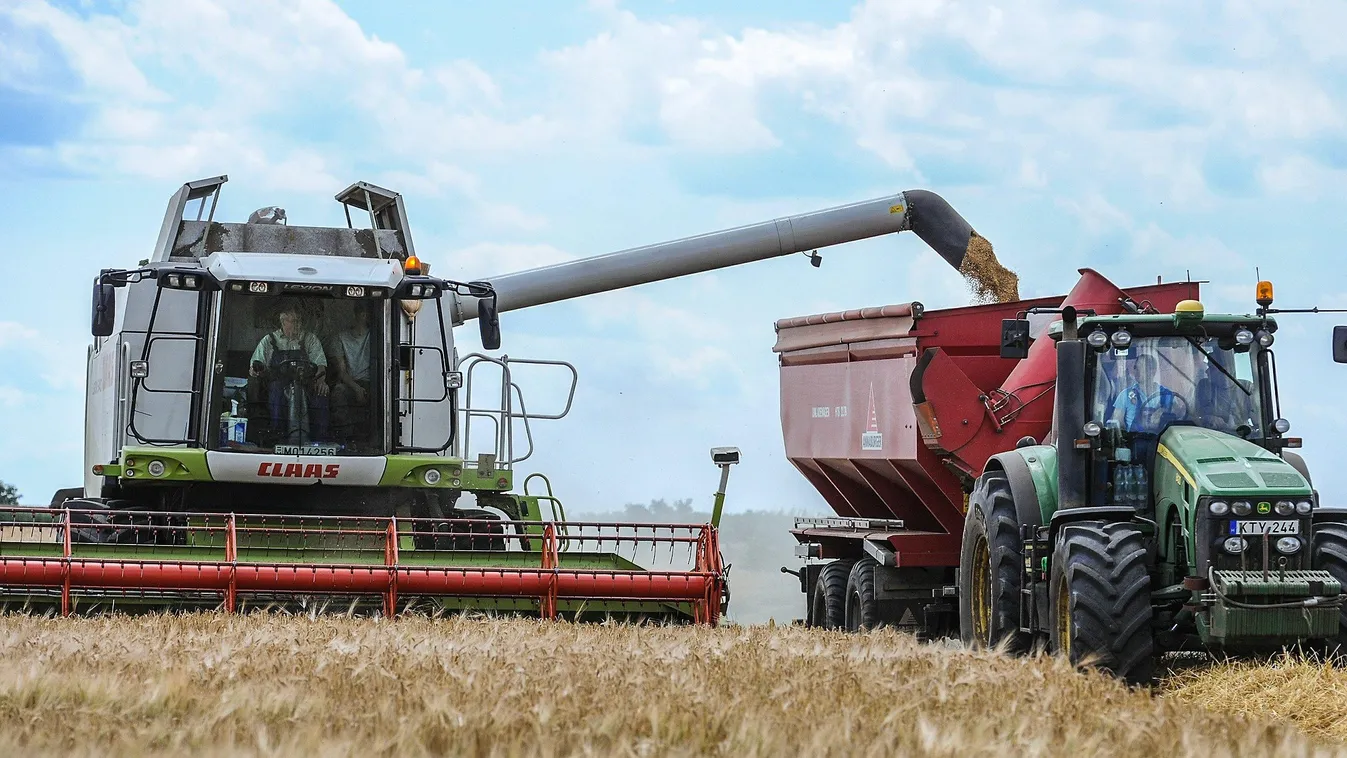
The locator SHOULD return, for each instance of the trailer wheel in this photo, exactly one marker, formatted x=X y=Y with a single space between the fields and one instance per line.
x=1101 y=605
x=862 y=609
x=830 y=596
x=990 y=567
x=1329 y=553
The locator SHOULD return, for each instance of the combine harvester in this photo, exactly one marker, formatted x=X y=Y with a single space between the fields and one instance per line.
x=1119 y=487
x=277 y=416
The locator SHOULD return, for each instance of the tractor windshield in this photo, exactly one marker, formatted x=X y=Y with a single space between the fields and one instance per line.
x=1162 y=380
x=300 y=375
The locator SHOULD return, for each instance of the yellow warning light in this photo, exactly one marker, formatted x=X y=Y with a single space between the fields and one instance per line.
x=1264 y=294
x=412 y=266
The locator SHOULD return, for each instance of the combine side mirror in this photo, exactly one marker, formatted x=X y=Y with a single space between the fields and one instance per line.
x=104 y=310
x=1340 y=344
x=489 y=321
x=1014 y=338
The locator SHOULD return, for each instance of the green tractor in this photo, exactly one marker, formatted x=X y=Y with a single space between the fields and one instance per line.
x=1164 y=512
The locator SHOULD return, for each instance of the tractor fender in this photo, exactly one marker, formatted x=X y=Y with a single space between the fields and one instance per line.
x=1032 y=472
x=1106 y=513
x=1298 y=463
x=1330 y=516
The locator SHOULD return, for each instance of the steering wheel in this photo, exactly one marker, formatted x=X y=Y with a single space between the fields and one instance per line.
x=294 y=370
x=1155 y=413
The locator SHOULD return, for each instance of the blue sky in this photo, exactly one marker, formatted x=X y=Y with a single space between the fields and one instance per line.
x=1142 y=139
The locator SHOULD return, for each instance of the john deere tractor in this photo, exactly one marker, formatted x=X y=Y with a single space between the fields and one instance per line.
x=1164 y=512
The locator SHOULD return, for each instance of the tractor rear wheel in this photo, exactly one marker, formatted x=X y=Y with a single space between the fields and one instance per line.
x=1329 y=553
x=1101 y=604
x=830 y=595
x=862 y=609
x=991 y=567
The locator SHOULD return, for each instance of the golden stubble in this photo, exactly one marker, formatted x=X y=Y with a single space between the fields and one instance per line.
x=212 y=684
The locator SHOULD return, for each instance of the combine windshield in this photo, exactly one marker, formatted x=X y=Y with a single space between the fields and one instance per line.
x=300 y=375
x=1162 y=380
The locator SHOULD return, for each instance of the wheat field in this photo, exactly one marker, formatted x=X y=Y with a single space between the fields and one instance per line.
x=211 y=684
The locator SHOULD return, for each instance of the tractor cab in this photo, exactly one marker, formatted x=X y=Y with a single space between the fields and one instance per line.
x=1147 y=373
x=1142 y=374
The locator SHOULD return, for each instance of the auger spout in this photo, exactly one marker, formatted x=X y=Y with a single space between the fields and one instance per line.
x=925 y=213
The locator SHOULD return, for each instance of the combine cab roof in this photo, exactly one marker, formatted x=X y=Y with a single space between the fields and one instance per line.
x=182 y=238
x=303 y=269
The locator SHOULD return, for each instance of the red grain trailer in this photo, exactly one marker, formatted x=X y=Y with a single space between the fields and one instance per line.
x=891 y=413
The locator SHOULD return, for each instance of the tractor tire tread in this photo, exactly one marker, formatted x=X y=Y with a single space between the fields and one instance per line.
x=1329 y=553
x=992 y=495
x=1105 y=568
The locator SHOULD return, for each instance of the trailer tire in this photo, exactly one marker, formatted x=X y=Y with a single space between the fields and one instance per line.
x=991 y=567
x=1100 y=600
x=862 y=609
x=830 y=595
x=1329 y=553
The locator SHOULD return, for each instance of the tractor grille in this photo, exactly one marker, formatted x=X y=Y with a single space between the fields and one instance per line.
x=1232 y=480
x=1277 y=479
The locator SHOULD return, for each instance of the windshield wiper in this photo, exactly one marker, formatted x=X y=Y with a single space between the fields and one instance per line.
x=1211 y=360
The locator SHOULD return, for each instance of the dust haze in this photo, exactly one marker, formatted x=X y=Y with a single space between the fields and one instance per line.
x=756 y=544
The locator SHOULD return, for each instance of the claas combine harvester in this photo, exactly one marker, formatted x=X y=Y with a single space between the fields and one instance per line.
x=1105 y=473
x=277 y=415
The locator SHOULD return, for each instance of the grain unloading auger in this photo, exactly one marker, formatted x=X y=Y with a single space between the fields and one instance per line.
x=277 y=415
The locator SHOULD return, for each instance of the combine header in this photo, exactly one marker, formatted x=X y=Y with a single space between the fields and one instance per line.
x=277 y=416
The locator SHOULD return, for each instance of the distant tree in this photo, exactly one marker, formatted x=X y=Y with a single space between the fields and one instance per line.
x=9 y=494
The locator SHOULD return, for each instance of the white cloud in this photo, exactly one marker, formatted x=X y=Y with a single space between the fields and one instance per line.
x=12 y=332
x=97 y=50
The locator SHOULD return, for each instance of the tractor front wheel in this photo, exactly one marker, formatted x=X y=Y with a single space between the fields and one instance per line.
x=1329 y=554
x=1101 y=606
x=991 y=566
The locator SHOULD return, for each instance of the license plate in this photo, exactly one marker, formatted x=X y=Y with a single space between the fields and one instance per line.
x=1265 y=527
x=306 y=450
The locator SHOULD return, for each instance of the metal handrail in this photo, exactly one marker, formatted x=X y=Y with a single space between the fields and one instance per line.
x=505 y=416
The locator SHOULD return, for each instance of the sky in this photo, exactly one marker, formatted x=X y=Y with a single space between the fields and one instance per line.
x=1146 y=139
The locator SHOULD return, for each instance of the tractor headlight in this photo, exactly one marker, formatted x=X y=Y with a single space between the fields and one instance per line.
x=1281 y=425
x=1284 y=508
x=1304 y=507
x=1288 y=545
x=1092 y=429
x=1218 y=508
x=431 y=476
x=1242 y=508
x=1121 y=339
x=1234 y=545
x=1097 y=339
x=156 y=468
x=1243 y=337
x=1264 y=338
